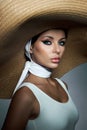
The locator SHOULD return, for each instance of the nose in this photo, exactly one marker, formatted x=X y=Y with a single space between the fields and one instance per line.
x=57 y=48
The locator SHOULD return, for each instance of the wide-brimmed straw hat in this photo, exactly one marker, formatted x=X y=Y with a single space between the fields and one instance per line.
x=22 y=19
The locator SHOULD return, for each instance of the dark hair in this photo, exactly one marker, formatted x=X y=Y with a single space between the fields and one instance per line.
x=37 y=36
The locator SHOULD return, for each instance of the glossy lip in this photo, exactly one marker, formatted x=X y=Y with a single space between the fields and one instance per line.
x=55 y=60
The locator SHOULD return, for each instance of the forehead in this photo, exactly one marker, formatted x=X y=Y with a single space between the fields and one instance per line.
x=53 y=32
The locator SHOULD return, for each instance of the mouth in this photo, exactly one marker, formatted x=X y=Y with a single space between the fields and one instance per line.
x=55 y=60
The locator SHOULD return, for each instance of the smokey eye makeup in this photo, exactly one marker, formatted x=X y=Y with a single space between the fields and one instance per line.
x=47 y=42
x=61 y=43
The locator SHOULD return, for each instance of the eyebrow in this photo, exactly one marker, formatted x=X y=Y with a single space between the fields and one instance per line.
x=49 y=37
x=64 y=38
x=53 y=38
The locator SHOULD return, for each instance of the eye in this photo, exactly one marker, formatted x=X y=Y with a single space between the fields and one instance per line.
x=47 y=42
x=61 y=43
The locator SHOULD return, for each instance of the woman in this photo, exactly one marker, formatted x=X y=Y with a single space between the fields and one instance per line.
x=39 y=101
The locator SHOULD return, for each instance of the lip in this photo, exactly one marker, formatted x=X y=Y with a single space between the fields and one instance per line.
x=55 y=60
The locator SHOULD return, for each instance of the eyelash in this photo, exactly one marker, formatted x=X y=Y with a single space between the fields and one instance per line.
x=62 y=43
x=48 y=42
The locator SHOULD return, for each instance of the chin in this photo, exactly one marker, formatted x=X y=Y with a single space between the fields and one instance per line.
x=54 y=66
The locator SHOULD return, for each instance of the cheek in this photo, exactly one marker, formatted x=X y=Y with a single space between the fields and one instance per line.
x=62 y=51
x=42 y=49
x=39 y=52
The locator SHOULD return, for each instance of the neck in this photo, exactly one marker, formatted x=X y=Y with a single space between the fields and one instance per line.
x=39 y=70
x=34 y=69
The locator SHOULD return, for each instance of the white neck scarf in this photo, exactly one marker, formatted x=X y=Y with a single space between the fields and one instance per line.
x=32 y=67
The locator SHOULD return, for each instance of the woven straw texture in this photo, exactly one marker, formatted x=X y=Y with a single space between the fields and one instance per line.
x=15 y=12
x=22 y=19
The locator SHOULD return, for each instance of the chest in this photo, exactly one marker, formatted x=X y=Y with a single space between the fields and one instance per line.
x=55 y=115
x=55 y=91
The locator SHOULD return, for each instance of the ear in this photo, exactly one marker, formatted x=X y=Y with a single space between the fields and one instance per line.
x=31 y=50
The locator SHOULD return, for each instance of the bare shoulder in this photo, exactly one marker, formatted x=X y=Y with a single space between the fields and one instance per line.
x=20 y=110
x=25 y=94
x=27 y=100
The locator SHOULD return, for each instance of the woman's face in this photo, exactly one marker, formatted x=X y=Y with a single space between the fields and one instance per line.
x=49 y=48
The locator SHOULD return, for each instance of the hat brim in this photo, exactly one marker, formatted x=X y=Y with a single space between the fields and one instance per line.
x=17 y=28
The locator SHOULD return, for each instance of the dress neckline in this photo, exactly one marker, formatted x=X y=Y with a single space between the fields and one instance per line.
x=48 y=95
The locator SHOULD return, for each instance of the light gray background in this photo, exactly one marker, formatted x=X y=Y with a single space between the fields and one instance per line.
x=77 y=82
